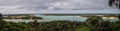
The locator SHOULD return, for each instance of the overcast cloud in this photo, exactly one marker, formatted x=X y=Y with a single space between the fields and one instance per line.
x=55 y=6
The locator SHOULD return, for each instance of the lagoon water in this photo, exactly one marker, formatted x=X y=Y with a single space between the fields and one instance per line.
x=53 y=18
x=71 y=18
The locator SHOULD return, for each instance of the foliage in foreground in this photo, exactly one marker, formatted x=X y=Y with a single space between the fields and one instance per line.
x=41 y=26
x=58 y=25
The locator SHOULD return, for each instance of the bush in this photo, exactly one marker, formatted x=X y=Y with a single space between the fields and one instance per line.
x=0 y=16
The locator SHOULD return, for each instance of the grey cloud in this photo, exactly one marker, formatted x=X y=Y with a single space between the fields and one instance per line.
x=54 y=5
x=62 y=4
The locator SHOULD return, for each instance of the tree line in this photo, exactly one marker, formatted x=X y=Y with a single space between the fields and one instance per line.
x=94 y=23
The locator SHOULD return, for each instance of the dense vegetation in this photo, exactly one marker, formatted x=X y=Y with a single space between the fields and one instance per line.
x=60 y=25
x=40 y=26
x=25 y=17
x=32 y=17
x=94 y=23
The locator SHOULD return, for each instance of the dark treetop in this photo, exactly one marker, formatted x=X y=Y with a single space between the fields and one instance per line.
x=0 y=16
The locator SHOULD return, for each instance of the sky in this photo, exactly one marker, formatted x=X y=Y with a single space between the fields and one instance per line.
x=56 y=6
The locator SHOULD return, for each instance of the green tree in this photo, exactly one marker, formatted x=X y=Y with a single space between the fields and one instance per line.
x=114 y=3
x=0 y=16
x=94 y=22
x=119 y=17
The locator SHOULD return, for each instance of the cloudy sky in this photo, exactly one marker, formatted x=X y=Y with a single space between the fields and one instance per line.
x=55 y=6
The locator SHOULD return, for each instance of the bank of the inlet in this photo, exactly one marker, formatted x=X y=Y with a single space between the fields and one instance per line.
x=92 y=23
x=46 y=18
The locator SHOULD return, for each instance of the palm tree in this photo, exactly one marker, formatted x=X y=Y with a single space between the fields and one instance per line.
x=114 y=3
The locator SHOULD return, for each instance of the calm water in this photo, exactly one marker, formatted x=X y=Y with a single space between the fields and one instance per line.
x=53 y=18
x=72 y=18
